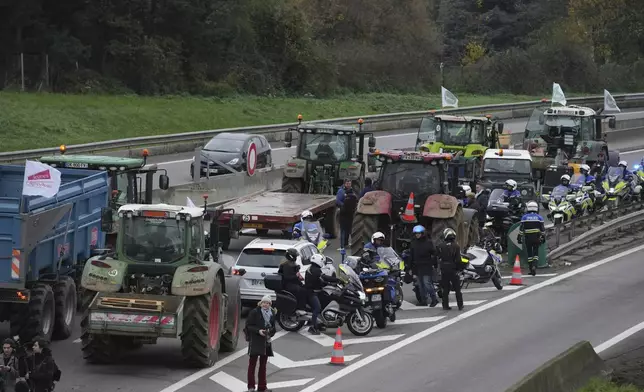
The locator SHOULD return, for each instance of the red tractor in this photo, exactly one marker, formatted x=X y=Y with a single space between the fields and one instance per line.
x=433 y=179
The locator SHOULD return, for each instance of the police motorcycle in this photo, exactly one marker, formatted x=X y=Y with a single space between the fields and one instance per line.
x=340 y=303
x=583 y=201
x=638 y=171
x=617 y=189
x=312 y=232
x=483 y=262
x=381 y=272
x=559 y=203
x=501 y=215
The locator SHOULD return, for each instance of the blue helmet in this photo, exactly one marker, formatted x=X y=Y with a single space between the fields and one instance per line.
x=419 y=229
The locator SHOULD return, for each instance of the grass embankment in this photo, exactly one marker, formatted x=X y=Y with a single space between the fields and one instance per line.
x=597 y=385
x=29 y=120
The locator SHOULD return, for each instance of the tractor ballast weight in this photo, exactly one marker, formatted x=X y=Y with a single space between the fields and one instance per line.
x=320 y=168
x=434 y=207
x=471 y=136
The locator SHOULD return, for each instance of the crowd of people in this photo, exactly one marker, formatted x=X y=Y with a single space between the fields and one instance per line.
x=28 y=368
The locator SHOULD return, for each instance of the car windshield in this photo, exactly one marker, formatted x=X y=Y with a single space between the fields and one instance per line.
x=224 y=145
x=389 y=256
x=615 y=173
x=325 y=147
x=154 y=240
x=261 y=257
x=559 y=191
x=509 y=166
x=312 y=231
x=400 y=179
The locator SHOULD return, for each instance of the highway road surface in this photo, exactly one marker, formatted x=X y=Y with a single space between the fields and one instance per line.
x=178 y=165
x=500 y=337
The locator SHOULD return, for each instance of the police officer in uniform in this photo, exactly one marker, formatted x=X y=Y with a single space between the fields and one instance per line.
x=532 y=234
x=449 y=255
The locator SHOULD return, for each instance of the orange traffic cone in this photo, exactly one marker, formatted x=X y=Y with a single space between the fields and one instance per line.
x=408 y=215
x=337 y=356
x=517 y=278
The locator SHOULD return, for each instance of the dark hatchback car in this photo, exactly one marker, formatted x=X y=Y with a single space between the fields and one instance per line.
x=230 y=149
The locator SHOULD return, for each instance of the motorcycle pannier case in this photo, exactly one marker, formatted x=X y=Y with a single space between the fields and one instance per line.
x=273 y=282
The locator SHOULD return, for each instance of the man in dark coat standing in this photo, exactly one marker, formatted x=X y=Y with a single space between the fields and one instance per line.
x=260 y=328
x=347 y=211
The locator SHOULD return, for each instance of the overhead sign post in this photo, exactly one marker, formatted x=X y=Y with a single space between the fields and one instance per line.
x=251 y=159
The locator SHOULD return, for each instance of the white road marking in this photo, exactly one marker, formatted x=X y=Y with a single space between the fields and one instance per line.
x=204 y=372
x=463 y=316
x=530 y=276
x=282 y=362
x=409 y=306
x=418 y=320
x=487 y=289
x=236 y=385
x=622 y=336
x=328 y=341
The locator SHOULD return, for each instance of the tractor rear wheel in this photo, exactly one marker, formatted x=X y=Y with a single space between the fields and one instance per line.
x=455 y=223
x=231 y=335
x=99 y=349
x=292 y=185
x=473 y=237
x=363 y=228
x=65 y=308
x=202 y=326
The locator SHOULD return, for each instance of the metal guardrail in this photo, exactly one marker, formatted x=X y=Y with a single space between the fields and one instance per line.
x=609 y=221
x=148 y=141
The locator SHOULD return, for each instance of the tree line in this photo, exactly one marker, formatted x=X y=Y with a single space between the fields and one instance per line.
x=320 y=47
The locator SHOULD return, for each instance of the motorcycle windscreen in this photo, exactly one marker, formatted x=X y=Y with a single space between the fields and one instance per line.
x=614 y=175
x=496 y=197
x=312 y=232
x=559 y=192
x=389 y=256
x=349 y=276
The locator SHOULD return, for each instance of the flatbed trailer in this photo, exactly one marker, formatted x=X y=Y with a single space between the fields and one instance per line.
x=274 y=211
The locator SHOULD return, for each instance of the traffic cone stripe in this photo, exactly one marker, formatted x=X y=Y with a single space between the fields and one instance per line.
x=337 y=356
x=409 y=215
x=517 y=277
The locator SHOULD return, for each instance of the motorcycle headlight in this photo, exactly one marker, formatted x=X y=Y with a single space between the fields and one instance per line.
x=611 y=190
x=362 y=295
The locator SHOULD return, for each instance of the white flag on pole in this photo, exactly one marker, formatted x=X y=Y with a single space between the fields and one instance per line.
x=609 y=103
x=40 y=180
x=449 y=99
x=558 y=94
x=189 y=202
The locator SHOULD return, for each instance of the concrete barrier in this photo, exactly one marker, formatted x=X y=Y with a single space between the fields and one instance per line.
x=222 y=188
x=567 y=372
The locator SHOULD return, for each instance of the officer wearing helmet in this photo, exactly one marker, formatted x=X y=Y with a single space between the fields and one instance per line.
x=423 y=261
x=290 y=272
x=449 y=259
x=305 y=217
x=377 y=240
x=314 y=281
x=628 y=176
x=532 y=233
x=511 y=190
x=565 y=180
x=584 y=170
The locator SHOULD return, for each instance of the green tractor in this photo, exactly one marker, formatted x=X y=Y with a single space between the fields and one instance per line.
x=165 y=279
x=327 y=154
x=470 y=136
x=126 y=177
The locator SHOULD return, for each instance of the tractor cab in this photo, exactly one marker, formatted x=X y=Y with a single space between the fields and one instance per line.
x=469 y=135
x=565 y=134
x=326 y=155
x=130 y=181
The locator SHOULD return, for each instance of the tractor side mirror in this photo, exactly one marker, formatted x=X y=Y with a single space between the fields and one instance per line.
x=499 y=127
x=612 y=123
x=107 y=219
x=288 y=138
x=542 y=119
x=372 y=141
x=164 y=182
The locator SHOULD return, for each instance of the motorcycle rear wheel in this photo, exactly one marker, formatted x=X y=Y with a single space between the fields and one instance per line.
x=496 y=280
x=288 y=322
x=381 y=318
x=358 y=329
